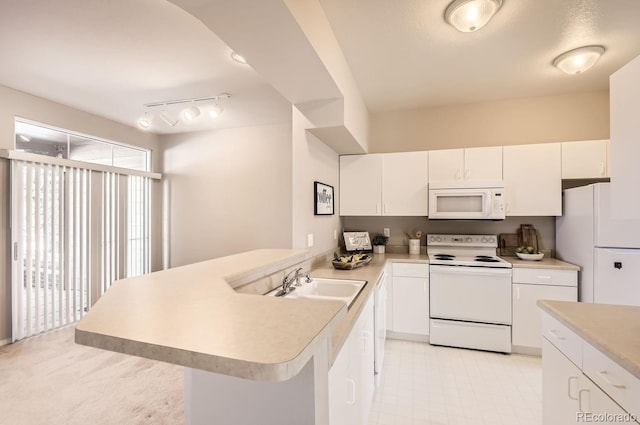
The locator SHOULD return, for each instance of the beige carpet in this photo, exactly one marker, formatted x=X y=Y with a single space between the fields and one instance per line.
x=50 y=380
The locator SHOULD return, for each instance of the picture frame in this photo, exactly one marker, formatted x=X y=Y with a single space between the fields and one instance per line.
x=323 y=197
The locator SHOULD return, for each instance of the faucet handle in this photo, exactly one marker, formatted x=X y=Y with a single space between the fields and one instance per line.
x=307 y=278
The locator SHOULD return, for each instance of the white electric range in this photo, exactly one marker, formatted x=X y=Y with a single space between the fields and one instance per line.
x=470 y=293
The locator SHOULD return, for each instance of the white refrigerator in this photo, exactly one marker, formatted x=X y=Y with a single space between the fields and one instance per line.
x=607 y=250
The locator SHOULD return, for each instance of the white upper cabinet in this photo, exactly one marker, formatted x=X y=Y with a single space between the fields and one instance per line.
x=446 y=165
x=584 y=160
x=361 y=184
x=533 y=179
x=393 y=184
x=404 y=184
x=471 y=164
x=483 y=164
x=625 y=135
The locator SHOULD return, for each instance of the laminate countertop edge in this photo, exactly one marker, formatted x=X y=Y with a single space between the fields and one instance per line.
x=612 y=329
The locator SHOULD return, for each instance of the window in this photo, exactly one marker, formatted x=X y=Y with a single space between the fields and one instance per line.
x=75 y=229
x=42 y=140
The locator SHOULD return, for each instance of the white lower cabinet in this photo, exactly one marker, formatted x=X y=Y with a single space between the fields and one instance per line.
x=410 y=304
x=351 y=378
x=529 y=286
x=570 y=366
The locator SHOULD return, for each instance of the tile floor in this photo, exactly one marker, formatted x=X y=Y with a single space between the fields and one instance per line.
x=429 y=385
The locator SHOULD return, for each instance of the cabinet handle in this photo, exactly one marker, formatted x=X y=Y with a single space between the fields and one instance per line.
x=602 y=170
x=554 y=334
x=580 y=401
x=384 y=207
x=467 y=174
x=605 y=375
x=544 y=277
x=377 y=208
x=459 y=174
x=571 y=378
x=352 y=392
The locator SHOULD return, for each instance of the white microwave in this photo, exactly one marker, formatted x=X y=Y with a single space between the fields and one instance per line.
x=462 y=201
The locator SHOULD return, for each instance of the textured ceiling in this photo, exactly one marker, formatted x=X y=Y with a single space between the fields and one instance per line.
x=404 y=55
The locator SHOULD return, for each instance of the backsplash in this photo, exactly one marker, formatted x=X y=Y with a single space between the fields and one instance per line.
x=398 y=242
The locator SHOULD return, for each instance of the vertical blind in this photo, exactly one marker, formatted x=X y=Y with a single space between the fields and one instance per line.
x=74 y=232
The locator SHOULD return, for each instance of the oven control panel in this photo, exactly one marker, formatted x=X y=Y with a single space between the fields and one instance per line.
x=463 y=240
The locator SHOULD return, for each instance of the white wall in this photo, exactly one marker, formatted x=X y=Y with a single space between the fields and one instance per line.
x=312 y=161
x=228 y=191
x=578 y=116
x=14 y=103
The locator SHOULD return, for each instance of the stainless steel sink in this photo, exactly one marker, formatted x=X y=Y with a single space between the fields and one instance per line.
x=346 y=290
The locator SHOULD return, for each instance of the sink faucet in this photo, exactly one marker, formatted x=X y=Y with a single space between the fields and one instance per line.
x=288 y=280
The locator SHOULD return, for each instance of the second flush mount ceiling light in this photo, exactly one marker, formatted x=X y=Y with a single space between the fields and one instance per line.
x=471 y=15
x=578 y=60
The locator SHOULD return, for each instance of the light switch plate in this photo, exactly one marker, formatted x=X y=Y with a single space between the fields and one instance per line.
x=386 y=232
x=310 y=240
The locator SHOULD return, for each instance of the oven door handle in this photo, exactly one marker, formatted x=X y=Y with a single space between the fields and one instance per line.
x=474 y=271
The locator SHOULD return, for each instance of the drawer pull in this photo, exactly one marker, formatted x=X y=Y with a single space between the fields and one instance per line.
x=588 y=409
x=605 y=375
x=544 y=277
x=554 y=334
x=572 y=379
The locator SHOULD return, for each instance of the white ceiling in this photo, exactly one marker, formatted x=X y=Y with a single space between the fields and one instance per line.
x=404 y=55
x=111 y=57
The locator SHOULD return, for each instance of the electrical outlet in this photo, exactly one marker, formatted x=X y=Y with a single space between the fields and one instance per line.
x=386 y=232
x=335 y=234
x=310 y=240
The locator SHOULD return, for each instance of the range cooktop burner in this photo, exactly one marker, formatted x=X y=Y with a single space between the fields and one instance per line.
x=485 y=259
x=447 y=257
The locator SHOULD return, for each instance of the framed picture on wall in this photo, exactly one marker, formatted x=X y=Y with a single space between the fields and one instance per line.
x=323 y=199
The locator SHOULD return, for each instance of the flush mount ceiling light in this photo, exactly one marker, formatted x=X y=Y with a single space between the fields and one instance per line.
x=578 y=60
x=471 y=15
x=238 y=58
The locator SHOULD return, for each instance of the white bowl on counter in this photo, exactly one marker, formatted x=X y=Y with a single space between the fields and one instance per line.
x=532 y=257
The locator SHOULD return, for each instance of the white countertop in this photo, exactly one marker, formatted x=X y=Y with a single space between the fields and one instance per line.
x=613 y=329
x=545 y=263
x=191 y=316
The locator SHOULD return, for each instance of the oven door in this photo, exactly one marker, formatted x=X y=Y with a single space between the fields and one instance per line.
x=475 y=294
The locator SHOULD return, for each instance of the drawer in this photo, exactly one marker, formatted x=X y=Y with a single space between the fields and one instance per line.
x=563 y=338
x=619 y=384
x=545 y=277
x=411 y=269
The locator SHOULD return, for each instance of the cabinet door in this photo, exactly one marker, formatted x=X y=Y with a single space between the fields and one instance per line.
x=592 y=400
x=533 y=180
x=625 y=133
x=446 y=165
x=411 y=305
x=341 y=389
x=483 y=164
x=584 y=160
x=526 y=314
x=404 y=184
x=361 y=384
x=389 y=312
x=560 y=387
x=361 y=184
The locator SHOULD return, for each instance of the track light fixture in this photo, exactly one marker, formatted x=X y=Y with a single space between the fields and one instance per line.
x=188 y=114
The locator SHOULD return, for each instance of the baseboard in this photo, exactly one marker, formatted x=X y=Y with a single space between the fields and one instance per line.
x=527 y=351
x=5 y=342
x=407 y=337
